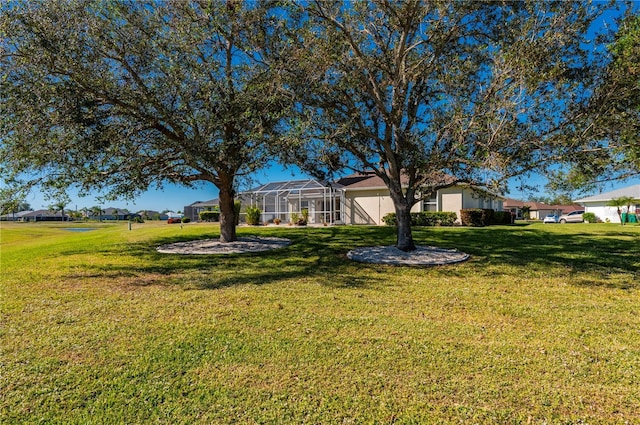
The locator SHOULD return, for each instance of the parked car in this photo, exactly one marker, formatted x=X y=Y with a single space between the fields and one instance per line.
x=572 y=217
x=174 y=221
x=551 y=218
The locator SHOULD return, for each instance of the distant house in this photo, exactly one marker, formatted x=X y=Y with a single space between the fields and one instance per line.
x=597 y=204
x=150 y=215
x=193 y=210
x=114 y=214
x=360 y=198
x=39 y=215
x=537 y=210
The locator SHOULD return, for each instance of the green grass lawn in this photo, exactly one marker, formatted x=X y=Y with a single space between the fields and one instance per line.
x=542 y=325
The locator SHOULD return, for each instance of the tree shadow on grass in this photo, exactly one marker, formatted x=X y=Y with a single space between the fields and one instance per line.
x=320 y=253
x=600 y=254
x=314 y=253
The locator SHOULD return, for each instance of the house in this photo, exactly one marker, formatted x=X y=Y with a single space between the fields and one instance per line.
x=360 y=198
x=537 y=210
x=39 y=215
x=114 y=214
x=597 y=204
x=193 y=210
x=367 y=199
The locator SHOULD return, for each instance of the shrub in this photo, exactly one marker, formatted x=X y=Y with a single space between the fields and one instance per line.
x=502 y=217
x=186 y=219
x=487 y=216
x=589 y=217
x=446 y=218
x=209 y=215
x=424 y=218
x=137 y=219
x=390 y=219
x=472 y=217
x=253 y=216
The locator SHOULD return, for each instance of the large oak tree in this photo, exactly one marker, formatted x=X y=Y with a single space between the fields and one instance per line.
x=429 y=94
x=122 y=95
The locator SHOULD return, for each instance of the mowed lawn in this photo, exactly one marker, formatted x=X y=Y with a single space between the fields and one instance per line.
x=542 y=325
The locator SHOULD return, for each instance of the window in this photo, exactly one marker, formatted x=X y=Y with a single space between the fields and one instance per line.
x=430 y=204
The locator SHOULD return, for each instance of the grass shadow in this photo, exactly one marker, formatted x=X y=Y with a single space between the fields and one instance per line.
x=573 y=248
x=320 y=253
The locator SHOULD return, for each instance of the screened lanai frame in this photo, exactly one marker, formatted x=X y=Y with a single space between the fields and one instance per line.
x=323 y=201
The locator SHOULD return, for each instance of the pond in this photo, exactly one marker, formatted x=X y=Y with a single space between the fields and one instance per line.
x=79 y=229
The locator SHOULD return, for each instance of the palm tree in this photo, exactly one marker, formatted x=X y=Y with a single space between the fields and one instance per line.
x=619 y=203
x=58 y=206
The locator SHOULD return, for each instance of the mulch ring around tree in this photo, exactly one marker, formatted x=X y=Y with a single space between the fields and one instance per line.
x=214 y=246
x=422 y=256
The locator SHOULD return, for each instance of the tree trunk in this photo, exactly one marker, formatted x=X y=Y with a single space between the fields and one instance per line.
x=404 y=240
x=227 y=215
x=620 y=217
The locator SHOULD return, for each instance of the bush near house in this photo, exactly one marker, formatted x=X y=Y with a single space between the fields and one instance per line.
x=424 y=218
x=209 y=215
x=502 y=217
x=253 y=216
x=473 y=217
x=479 y=217
x=589 y=217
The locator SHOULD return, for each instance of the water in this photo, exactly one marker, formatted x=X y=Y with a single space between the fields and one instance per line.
x=79 y=229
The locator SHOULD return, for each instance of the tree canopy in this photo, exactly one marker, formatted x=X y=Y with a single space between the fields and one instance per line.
x=123 y=95
x=430 y=94
x=610 y=131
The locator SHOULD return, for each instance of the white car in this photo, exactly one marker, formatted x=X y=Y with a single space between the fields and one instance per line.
x=550 y=219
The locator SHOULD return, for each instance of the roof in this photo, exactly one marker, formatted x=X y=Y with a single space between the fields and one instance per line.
x=37 y=213
x=373 y=181
x=631 y=191
x=293 y=187
x=202 y=204
x=534 y=206
x=114 y=211
x=538 y=206
x=365 y=181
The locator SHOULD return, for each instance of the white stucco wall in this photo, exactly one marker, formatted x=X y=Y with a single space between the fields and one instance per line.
x=604 y=212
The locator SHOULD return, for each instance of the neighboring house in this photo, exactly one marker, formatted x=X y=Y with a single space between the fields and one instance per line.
x=151 y=215
x=355 y=199
x=193 y=211
x=597 y=204
x=537 y=210
x=114 y=214
x=39 y=215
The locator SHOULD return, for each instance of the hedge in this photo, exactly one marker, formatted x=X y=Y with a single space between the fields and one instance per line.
x=424 y=218
x=209 y=215
x=502 y=217
x=473 y=217
x=479 y=217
